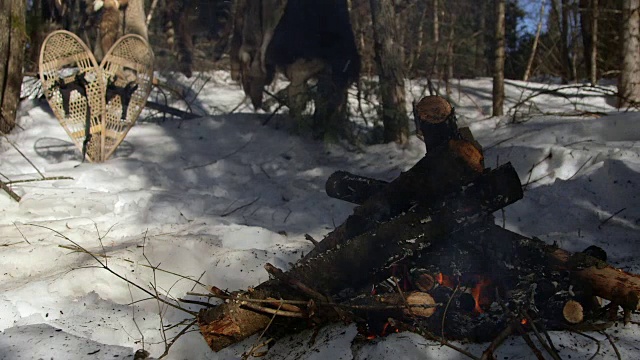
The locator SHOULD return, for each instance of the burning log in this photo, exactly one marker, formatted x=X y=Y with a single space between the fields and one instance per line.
x=364 y=257
x=595 y=277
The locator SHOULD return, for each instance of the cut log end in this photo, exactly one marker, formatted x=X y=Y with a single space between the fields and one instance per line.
x=417 y=299
x=417 y=303
x=573 y=312
x=468 y=152
x=424 y=282
x=433 y=109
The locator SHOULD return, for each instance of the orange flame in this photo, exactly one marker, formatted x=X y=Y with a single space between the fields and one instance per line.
x=477 y=293
x=445 y=280
x=523 y=322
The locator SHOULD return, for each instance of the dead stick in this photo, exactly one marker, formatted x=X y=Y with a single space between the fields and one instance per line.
x=296 y=284
x=171 y=110
x=240 y=207
x=534 y=348
x=543 y=342
x=275 y=311
x=613 y=344
x=488 y=354
x=21 y=153
x=610 y=217
x=8 y=190
x=303 y=302
x=282 y=276
x=48 y=178
x=257 y=346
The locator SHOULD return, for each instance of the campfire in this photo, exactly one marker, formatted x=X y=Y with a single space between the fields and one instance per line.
x=422 y=253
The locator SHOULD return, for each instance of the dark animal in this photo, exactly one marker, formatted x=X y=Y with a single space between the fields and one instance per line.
x=302 y=39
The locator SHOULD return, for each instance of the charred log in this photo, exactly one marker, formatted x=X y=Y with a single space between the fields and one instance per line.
x=593 y=276
x=353 y=188
x=440 y=173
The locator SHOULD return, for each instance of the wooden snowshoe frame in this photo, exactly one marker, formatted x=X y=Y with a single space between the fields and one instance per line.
x=96 y=104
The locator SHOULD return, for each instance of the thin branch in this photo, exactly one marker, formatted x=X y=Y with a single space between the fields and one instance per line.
x=488 y=354
x=222 y=158
x=175 y=338
x=319 y=303
x=532 y=346
x=8 y=190
x=276 y=312
x=580 y=168
x=554 y=354
x=21 y=153
x=24 y=237
x=240 y=207
x=103 y=266
x=446 y=308
x=602 y=223
x=258 y=345
x=613 y=344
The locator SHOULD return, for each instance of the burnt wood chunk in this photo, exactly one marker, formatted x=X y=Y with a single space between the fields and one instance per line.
x=352 y=188
x=596 y=276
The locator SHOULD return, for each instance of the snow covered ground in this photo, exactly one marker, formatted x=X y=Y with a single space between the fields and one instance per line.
x=217 y=197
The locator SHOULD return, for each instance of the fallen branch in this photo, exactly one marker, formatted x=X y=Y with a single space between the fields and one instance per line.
x=171 y=110
x=8 y=190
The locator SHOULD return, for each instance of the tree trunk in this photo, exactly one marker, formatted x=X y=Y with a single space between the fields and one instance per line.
x=593 y=56
x=564 y=42
x=12 y=45
x=498 y=69
x=416 y=50
x=448 y=71
x=389 y=58
x=436 y=39
x=629 y=85
x=589 y=13
x=534 y=47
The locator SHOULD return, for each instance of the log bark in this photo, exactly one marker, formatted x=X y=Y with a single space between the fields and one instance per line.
x=363 y=259
x=442 y=171
x=12 y=49
x=353 y=188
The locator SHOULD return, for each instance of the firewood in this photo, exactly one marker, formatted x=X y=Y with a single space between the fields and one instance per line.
x=424 y=282
x=573 y=312
x=361 y=259
x=435 y=121
x=416 y=298
x=440 y=173
x=352 y=188
x=605 y=281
